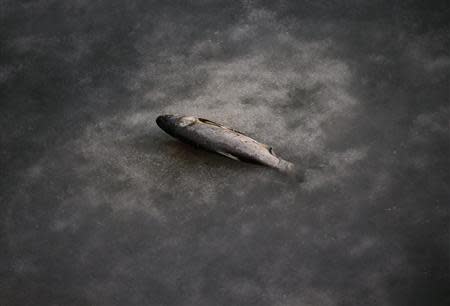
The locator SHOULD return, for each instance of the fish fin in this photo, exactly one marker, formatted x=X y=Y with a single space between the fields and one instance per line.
x=206 y=121
x=236 y=131
x=270 y=149
x=228 y=155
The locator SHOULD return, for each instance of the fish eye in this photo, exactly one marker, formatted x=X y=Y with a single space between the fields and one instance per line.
x=186 y=121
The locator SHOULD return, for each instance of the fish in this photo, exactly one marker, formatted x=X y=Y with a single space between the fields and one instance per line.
x=215 y=137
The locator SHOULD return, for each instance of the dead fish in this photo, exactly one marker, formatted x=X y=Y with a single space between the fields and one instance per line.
x=217 y=138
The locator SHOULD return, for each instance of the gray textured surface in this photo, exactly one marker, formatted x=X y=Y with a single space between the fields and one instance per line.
x=100 y=207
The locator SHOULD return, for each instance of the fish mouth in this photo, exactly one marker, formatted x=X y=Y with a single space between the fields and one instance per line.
x=166 y=121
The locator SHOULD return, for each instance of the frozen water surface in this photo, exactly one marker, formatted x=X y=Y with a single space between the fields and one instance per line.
x=100 y=207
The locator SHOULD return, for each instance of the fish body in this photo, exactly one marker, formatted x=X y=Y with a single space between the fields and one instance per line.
x=223 y=140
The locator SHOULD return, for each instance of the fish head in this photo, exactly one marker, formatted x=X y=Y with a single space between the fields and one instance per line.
x=172 y=123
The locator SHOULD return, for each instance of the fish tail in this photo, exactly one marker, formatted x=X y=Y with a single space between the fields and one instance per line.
x=290 y=169
x=285 y=166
